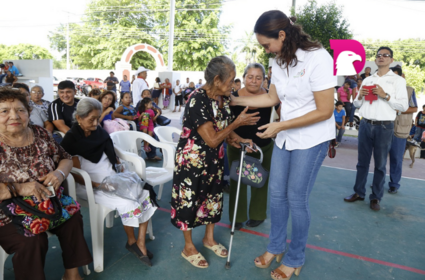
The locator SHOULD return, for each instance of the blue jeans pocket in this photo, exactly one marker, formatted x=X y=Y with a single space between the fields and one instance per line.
x=388 y=126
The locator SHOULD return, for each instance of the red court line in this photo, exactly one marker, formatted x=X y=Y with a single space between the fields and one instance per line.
x=353 y=256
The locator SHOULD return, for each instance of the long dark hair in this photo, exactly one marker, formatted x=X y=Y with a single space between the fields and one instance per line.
x=142 y=107
x=109 y=92
x=270 y=23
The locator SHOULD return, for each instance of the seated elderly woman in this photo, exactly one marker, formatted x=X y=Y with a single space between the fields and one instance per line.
x=92 y=150
x=30 y=160
x=37 y=93
x=37 y=115
x=197 y=193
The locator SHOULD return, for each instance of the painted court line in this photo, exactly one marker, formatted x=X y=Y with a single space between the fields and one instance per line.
x=335 y=252
x=369 y=172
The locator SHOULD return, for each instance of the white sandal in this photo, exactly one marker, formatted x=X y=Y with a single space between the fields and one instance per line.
x=195 y=260
x=217 y=249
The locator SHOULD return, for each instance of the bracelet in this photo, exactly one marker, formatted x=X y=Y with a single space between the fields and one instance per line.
x=14 y=189
x=63 y=174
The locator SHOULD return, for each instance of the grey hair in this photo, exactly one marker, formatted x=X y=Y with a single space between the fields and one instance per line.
x=85 y=107
x=40 y=87
x=257 y=66
x=220 y=66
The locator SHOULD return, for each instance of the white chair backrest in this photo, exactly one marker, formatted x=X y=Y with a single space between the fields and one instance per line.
x=137 y=164
x=165 y=134
x=127 y=141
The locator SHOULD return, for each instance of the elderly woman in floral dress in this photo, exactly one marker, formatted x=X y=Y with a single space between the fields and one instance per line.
x=197 y=194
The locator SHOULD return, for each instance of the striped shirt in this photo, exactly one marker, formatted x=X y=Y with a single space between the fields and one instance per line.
x=60 y=111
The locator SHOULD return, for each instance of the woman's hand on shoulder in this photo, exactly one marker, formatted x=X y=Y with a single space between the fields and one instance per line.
x=247 y=119
x=33 y=189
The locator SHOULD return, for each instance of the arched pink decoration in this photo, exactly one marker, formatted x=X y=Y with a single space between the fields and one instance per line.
x=130 y=51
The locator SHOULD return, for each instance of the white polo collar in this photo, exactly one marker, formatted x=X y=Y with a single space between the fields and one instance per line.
x=300 y=54
x=389 y=73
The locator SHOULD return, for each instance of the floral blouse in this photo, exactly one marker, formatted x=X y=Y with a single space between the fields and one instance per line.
x=27 y=164
x=44 y=107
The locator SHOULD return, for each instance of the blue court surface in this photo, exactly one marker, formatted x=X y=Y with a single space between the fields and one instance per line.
x=346 y=240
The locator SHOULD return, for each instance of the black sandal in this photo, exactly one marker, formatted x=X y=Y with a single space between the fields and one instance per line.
x=139 y=254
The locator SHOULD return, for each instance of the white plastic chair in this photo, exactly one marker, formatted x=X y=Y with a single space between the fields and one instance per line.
x=127 y=141
x=133 y=125
x=165 y=134
x=98 y=213
x=68 y=184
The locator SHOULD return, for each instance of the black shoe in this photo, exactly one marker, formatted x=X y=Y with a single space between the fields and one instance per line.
x=238 y=226
x=254 y=223
x=392 y=190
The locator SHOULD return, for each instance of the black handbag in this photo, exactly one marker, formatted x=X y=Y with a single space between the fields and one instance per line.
x=253 y=173
x=163 y=121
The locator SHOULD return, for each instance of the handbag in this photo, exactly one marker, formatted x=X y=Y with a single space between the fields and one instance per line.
x=32 y=217
x=163 y=121
x=115 y=125
x=253 y=173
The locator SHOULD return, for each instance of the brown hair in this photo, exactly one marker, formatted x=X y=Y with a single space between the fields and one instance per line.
x=8 y=93
x=114 y=99
x=95 y=92
x=270 y=23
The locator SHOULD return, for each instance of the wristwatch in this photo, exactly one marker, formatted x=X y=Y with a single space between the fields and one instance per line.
x=387 y=97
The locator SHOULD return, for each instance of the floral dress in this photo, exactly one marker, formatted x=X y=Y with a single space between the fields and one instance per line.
x=197 y=194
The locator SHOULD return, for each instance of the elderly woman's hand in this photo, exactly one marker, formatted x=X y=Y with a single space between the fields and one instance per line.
x=247 y=119
x=54 y=179
x=33 y=188
x=234 y=141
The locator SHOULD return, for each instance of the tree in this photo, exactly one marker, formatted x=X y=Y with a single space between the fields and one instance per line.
x=109 y=26
x=323 y=22
x=24 y=51
x=415 y=77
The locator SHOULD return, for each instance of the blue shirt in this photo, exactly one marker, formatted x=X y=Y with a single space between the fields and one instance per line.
x=125 y=86
x=14 y=70
x=338 y=116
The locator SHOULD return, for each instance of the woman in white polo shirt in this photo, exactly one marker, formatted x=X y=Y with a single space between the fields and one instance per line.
x=303 y=81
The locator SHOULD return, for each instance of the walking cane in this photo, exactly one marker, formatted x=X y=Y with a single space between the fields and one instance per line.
x=244 y=146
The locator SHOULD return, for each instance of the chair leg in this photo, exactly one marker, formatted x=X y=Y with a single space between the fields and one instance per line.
x=3 y=257
x=86 y=270
x=97 y=240
x=160 y=191
x=110 y=220
x=150 y=230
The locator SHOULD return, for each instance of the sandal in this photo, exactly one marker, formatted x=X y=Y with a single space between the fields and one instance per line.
x=217 y=249
x=191 y=259
x=265 y=264
x=283 y=275
x=138 y=253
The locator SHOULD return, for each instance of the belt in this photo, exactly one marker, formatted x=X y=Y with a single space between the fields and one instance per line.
x=378 y=122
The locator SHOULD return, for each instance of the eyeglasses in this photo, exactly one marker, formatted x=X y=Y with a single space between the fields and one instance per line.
x=383 y=55
x=37 y=92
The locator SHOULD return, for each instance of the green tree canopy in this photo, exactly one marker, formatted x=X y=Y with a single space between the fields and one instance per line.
x=323 y=22
x=110 y=26
x=24 y=51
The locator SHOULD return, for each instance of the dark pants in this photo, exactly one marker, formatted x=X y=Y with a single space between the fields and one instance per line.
x=258 y=201
x=376 y=140
x=347 y=106
x=1 y=77
x=152 y=153
x=30 y=252
x=398 y=146
x=179 y=100
x=339 y=132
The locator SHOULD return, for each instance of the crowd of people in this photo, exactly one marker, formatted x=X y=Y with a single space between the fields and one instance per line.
x=218 y=115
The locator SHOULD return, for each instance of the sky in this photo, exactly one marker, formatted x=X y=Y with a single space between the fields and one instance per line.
x=375 y=19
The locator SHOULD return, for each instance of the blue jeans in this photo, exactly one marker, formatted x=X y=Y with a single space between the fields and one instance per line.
x=1 y=77
x=374 y=139
x=292 y=176
x=339 y=132
x=418 y=134
x=353 y=110
x=398 y=146
x=152 y=153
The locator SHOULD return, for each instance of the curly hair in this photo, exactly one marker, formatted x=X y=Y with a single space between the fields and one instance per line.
x=270 y=23
x=10 y=94
x=114 y=99
x=95 y=92
x=143 y=104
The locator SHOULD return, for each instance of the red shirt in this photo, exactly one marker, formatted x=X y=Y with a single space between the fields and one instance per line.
x=166 y=90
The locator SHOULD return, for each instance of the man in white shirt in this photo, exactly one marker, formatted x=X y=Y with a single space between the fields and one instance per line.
x=186 y=85
x=140 y=84
x=198 y=85
x=178 y=94
x=377 y=126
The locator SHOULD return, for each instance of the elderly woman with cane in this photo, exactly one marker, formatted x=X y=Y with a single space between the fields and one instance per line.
x=197 y=193
x=303 y=81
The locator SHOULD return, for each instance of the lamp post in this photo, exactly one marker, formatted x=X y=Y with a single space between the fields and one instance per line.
x=171 y=36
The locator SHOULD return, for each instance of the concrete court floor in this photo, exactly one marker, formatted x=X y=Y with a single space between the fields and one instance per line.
x=346 y=240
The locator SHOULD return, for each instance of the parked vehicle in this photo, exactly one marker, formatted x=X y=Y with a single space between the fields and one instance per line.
x=55 y=84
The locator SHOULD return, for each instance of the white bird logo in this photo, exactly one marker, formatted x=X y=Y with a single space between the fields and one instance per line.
x=344 y=63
